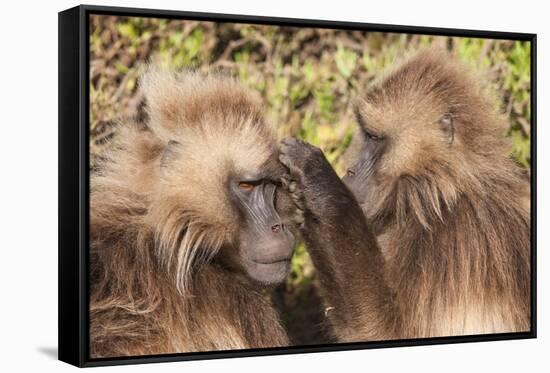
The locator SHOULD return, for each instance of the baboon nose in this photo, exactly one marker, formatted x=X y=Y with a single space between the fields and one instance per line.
x=276 y=228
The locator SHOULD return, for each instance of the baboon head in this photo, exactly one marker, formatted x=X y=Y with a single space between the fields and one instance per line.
x=217 y=198
x=426 y=130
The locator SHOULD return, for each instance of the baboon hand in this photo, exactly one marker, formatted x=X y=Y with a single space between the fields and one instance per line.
x=301 y=159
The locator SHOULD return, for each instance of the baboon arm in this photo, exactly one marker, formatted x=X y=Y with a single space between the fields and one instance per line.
x=342 y=246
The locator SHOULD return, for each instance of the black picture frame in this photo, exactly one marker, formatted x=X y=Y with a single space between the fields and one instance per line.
x=73 y=129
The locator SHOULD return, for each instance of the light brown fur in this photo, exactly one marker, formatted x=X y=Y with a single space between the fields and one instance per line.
x=451 y=220
x=428 y=234
x=154 y=231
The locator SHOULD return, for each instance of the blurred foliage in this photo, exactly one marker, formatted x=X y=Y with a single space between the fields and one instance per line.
x=307 y=77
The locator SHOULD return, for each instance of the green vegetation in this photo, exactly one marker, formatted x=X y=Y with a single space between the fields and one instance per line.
x=307 y=77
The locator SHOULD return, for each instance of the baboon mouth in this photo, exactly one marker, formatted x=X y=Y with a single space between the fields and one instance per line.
x=276 y=261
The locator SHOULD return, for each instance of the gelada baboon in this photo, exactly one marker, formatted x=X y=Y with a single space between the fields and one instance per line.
x=187 y=224
x=428 y=234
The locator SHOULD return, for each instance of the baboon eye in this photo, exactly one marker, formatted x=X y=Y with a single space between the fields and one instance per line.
x=372 y=136
x=246 y=187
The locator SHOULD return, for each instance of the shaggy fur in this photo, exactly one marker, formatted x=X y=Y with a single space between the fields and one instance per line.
x=155 y=230
x=453 y=220
x=452 y=249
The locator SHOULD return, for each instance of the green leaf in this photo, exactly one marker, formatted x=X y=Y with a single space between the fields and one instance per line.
x=346 y=61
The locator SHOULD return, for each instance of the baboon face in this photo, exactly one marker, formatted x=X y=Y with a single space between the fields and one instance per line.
x=218 y=197
x=424 y=121
x=394 y=143
x=239 y=197
x=266 y=243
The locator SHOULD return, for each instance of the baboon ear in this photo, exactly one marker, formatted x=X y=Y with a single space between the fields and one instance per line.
x=163 y=101
x=447 y=126
x=170 y=152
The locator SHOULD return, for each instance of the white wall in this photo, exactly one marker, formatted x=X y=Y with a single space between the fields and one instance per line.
x=28 y=198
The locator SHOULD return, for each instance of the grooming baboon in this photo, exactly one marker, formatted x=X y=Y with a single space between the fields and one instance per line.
x=184 y=230
x=428 y=234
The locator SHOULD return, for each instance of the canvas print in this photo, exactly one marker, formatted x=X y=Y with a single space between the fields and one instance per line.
x=260 y=186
